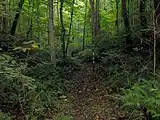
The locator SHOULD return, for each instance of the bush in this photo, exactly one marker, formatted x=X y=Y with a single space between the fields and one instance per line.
x=49 y=78
x=4 y=116
x=32 y=94
x=123 y=70
x=19 y=93
x=144 y=94
x=87 y=55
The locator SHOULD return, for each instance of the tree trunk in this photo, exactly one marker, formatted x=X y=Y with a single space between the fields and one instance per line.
x=93 y=20
x=4 y=15
x=38 y=19
x=62 y=28
x=15 y=22
x=97 y=18
x=32 y=13
x=30 y=19
x=70 y=26
x=93 y=27
x=117 y=16
x=51 y=32
x=157 y=12
x=84 y=29
x=127 y=26
x=143 y=19
x=58 y=13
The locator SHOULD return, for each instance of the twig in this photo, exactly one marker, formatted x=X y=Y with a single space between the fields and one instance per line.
x=131 y=115
x=21 y=106
x=154 y=30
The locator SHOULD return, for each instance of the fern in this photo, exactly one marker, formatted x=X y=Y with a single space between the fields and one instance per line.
x=144 y=93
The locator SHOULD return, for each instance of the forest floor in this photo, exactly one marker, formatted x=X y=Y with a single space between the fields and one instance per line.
x=90 y=97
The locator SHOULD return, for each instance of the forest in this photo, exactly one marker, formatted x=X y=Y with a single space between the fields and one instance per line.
x=79 y=59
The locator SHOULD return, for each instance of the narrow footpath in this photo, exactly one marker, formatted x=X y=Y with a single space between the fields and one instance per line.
x=91 y=98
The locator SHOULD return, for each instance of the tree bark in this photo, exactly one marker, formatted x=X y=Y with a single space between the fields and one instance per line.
x=84 y=29
x=157 y=12
x=93 y=20
x=15 y=22
x=117 y=16
x=127 y=26
x=38 y=19
x=70 y=26
x=62 y=29
x=51 y=32
x=143 y=19
x=30 y=19
x=97 y=17
x=93 y=29
x=4 y=15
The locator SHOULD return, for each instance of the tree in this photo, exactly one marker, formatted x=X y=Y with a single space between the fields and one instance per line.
x=97 y=17
x=143 y=19
x=30 y=19
x=84 y=29
x=62 y=29
x=127 y=26
x=157 y=11
x=4 y=15
x=70 y=25
x=38 y=19
x=51 y=32
x=15 y=22
x=93 y=29
x=117 y=16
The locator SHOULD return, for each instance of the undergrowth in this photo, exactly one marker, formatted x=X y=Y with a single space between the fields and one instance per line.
x=144 y=94
x=29 y=92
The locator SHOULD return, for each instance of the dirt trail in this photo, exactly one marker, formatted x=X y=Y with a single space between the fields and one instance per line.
x=91 y=98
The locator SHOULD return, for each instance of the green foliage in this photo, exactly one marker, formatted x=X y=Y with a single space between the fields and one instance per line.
x=144 y=93
x=63 y=117
x=123 y=70
x=87 y=55
x=4 y=116
x=49 y=78
x=19 y=91
x=31 y=90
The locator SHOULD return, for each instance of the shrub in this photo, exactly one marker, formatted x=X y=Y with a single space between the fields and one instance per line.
x=87 y=55
x=31 y=94
x=18 y=92
x=144 y=93
x=4 y=116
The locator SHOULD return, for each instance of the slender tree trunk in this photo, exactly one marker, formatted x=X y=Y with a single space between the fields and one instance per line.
x=32 y=11
x=127 y=26
x=4 y=15
x=156 y=24
x=97 y=18
x=117 y=16
x=29 y=14
x=128 y=7
x=38 y=20
x=157 y=12
x=58 y=13
x=30 y=19
x=84 y=29
x=93 y=20
x=15 y=22
x=9 y=18
x=51 y=32
x=143 y=19
x=93 y=26
x=70 y=26
x=62 y=28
